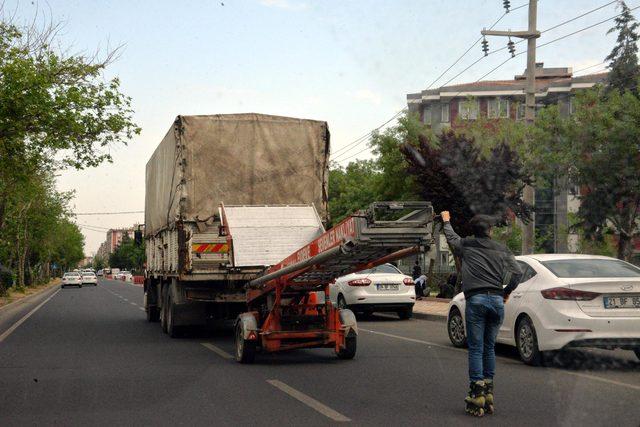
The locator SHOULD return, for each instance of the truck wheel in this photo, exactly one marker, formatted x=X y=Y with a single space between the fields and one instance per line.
x=173 y=330
x=163 y=310
x=245 y=349
x=350 y=347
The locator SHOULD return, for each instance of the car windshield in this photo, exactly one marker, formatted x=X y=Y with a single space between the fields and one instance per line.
x=71 y=275
x=588 y=268
x=384 y=268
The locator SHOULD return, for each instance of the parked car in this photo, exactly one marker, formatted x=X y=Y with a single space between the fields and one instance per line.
x=72 y=278
x=565 y=301
x=383 y=288
x=125 y=276
x=89 y=278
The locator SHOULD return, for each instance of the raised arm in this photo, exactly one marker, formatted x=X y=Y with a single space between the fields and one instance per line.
x=452 y=237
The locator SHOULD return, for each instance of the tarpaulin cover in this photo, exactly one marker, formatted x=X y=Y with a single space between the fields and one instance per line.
x=237 y=159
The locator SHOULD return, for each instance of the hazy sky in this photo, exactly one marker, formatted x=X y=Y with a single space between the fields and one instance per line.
x=348 y=62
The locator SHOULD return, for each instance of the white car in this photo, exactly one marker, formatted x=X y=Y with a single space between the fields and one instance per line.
x=382 y=288
x=71 y=278
x=562 y=301
x=124 y=275
x=89 y=278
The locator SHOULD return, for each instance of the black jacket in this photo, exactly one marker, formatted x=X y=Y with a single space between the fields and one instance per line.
x=486 y=264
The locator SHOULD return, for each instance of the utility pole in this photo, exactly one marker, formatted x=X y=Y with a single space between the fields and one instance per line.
x=530 y=99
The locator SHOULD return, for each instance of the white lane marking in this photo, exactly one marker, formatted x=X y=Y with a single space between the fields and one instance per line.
x=217 y=350
x=133 y=303
x=576 y=374
x=142 y=308
x=309 y=401
x=13 y=327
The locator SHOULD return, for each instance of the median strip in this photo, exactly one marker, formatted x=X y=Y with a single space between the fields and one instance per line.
x=309 y=401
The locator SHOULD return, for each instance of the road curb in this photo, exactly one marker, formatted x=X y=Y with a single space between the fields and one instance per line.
x=432 y=317
x=29 y=297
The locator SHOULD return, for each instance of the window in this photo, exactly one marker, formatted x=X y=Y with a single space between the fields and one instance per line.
x=426 y=118
x=444 y=114
x=589 y=268
x=527 y=271
x=520 y=111
x=572 y=106
x=498 y=108
x=468 y=109
x=384 y=268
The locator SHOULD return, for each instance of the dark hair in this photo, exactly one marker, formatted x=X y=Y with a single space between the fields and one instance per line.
x=481 y=225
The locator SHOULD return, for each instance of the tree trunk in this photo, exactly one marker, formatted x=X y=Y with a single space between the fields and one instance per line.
x=624 y=247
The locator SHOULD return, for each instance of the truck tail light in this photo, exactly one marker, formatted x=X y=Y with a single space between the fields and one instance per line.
x=359 y=282
x=408 y=281
x=568 y=294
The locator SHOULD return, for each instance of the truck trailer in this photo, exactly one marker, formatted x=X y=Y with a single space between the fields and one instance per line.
x=193 y=271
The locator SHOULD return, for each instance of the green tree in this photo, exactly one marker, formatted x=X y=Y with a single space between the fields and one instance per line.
x=57 y=110
x=623 y=59
x=128 y=255
x=352 y=188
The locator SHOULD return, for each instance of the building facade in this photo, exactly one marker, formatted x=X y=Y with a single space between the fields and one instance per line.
x=447 y=106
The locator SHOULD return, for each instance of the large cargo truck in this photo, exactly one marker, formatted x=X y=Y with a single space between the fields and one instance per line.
x=262 y=179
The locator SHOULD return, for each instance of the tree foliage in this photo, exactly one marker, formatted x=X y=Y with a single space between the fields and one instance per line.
x=57 y=111
x=623 y=59
x=455 y=175
x=128 y=255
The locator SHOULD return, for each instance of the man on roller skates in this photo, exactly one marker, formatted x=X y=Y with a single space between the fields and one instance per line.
x=486 y=267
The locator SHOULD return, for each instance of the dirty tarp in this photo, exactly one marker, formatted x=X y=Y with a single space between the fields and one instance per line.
x=249 y=159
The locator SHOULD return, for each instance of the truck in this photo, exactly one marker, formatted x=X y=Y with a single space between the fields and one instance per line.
x=261 y=177
x=235 y=215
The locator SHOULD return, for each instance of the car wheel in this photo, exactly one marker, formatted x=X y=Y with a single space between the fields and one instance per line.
x=80 y=286
x=350 y=348
x=405 y=314
x=637 y=352
x=527 y=342
x=455 y=328
x=342 y=303
x=245 y=349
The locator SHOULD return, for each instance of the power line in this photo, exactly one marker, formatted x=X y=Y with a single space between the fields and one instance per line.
x=342 y=151
x=109 y=213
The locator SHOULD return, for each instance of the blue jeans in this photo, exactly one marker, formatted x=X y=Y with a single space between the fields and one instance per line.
x=483 y=317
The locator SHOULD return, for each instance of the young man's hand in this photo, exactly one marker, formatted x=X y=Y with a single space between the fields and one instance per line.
x=446 y=216
x=505 y=298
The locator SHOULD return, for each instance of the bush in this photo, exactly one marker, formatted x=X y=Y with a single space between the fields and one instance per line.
x=6 y=280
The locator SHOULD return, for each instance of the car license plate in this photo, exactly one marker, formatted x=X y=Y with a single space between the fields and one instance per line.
x=387 y=287
x=622 y=301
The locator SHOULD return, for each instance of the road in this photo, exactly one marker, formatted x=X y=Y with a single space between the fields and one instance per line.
x=88 y=357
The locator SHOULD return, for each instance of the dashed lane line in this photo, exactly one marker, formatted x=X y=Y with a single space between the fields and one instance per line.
x=217 y=350
x=13 y=327
x=309 y=401
x=575 y=374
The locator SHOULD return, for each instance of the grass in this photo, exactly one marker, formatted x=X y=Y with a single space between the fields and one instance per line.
x=14 y=294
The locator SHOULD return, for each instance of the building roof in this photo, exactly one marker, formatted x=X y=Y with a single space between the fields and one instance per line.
x=547 y=80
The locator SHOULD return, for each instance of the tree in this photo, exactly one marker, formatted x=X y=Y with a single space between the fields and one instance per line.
x=455 y=175
x=623 y=59
x=57 y=111
x=128 y=255
x=352 y=188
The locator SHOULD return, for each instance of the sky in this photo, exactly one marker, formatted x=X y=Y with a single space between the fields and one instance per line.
x=348 y=62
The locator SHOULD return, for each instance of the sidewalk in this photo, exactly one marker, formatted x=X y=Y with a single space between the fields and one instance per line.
x=431 y=308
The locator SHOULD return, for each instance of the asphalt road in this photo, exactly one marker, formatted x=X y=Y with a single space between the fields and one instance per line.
x=88 y=357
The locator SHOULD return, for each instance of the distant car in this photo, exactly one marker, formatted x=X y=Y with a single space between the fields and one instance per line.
x=71 y=278
x=100 y=273
x=89 y=278
x=383 y=289
x=125 y=276
x=562 y=301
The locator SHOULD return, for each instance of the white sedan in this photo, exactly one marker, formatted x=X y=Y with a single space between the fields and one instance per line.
x=71 y=278
x=89 y=278
x=562 y=301
x=381 y=288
